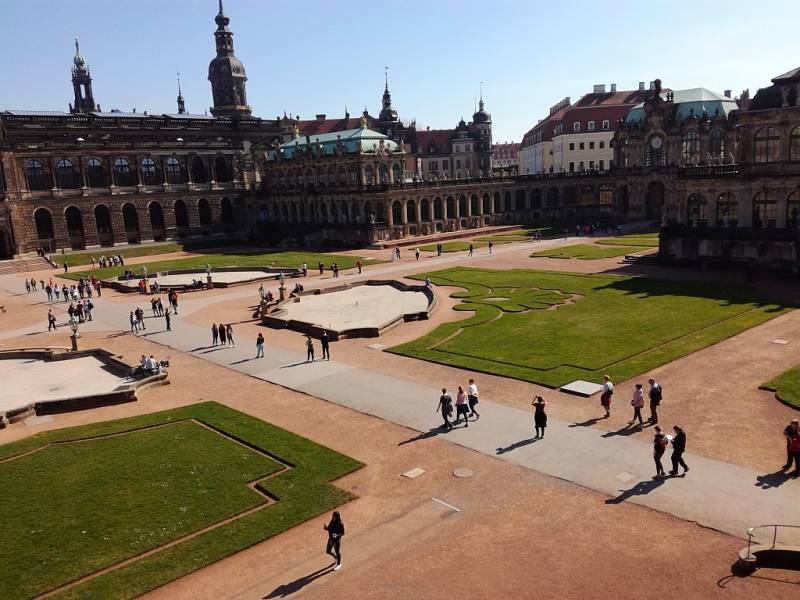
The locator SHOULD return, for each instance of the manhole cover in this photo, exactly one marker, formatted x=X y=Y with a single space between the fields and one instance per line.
x=462 y=473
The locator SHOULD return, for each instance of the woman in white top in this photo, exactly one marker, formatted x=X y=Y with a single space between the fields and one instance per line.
x=605 y=397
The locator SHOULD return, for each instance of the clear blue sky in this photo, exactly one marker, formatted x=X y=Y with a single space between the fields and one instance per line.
x=317 y=56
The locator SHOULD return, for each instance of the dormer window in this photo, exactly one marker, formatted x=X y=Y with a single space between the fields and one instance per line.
x=606 y=125
x=590 y=126
x=576 y=127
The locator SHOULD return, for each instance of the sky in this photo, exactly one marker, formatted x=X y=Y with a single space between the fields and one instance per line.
x=319 y=56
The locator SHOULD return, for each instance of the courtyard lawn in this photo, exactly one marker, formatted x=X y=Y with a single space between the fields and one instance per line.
x=79 y=500
x=630 y=241
x=588 y=251
x=258 y=259
x=84 y=257
x=457 y=246
x=786 y=387
x=567 y=326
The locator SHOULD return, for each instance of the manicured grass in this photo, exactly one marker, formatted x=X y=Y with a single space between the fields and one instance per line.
x=85 y=498
x=588 y=251
x=84 y=258
x=629 y=241
x=621 y=326
x=457 y=246
x=786 y=386
x=260 y=259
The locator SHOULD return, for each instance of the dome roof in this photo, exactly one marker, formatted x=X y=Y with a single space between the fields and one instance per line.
x=224 y=66
x=481 y=116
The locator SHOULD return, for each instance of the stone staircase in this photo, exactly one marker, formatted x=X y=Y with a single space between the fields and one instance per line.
x=24 y=265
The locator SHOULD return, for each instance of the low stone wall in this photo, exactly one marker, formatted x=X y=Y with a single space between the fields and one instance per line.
x=119 y=284
x=126 y=392
x=274 y=317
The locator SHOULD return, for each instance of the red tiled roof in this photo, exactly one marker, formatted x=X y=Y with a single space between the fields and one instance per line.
x=502 y=151
x=320 y=126
x=440 y=137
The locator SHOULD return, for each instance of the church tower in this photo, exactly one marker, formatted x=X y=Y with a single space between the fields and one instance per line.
x=388 y=123
x=181 y=103
x=81 y=84
x=226 y=74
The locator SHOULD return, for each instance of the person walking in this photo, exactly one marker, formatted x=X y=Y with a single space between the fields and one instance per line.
x=490 y=247
x=309 y=349
x=655 y=395
x=416 y=252
x=637 y=403
x=472 y=398
x=229 y=332
x=140 y=317
x=607 y=393
x=539 y=416
x=325 y=341
x=167 y=319
x=51 y=320
x=359 y=265
x=27 y=287
x=223 y=335
x=792 y=433
x=445 y=406
x=335 y=531
x=462 y=408
x=439 y=249
x=471 y=249
x=260 y=345
x=678 y=448
x=660 y=442
x=134 y=323
x=321 y=267
x=214 y=334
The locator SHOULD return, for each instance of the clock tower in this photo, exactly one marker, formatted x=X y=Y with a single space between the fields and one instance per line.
x=226 y=74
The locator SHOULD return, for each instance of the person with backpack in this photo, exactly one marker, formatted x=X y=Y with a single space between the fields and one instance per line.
x=792 y=433
x=656 y=393
x=605 y=396
x=637 y=403
x=660 y=442
x=445 y=406
x=678 y=448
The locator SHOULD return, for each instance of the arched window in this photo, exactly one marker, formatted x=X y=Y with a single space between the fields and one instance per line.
x=397 y=213
x=199 y=172
x=462 y=206
x=123 y=174
x=36 y=176
x=474 y=205
x=66 y=177
x=150 y=172
x=156 y=217
x=587 y=195
x=95 y=173
x=438 y=211
x=606 y=194
x=690 y=147
x=181 y=214
x=425 y=210
x=204 y=211
x=763 y=211
x=766 y=145
x=793 y=210
x=102 y=220
x=656 y=157
x=717 y=143
x=174 y=171
x=130 y=218
x=222 y=170
x=369 y=175
x=411 y=212
x=794 y=144
x=44 y=224
x=727 y=210
x=697 y=210
x=383 y=174
x=353 y=175
x=397 y=173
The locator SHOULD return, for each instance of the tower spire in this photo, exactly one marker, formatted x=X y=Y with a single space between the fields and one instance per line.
x=181 y=103
x=388 y=113
x=81 y=84
x=226 y=73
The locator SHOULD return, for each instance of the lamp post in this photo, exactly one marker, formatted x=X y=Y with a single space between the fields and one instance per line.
x=73 y=325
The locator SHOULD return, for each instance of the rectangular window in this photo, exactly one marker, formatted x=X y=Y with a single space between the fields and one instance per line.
x=591 y=145
x=581 y=145
x=590 y=126
x=572 y=146
x=572 y=167
x=591 y=165
x=458 y=163
x=602 y=145
x=606 y=125
x=602 y=165
x=445 y=165
x=580 y=166
x=468 y=163
x=433 y=165
x=576 y=127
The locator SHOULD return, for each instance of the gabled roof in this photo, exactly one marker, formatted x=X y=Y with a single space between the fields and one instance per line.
x=502 y=151
x=437 y=137
x=788 y=76
x=322 y=126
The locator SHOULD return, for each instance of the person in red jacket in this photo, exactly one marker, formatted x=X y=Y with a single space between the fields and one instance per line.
x=792 y=433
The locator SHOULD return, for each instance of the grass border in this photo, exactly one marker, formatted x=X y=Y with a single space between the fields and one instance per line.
x=313 y=468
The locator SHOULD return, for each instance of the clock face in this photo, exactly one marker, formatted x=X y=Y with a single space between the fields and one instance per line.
x=655 y=143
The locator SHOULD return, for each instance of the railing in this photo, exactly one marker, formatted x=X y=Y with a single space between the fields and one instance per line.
x=750 y=557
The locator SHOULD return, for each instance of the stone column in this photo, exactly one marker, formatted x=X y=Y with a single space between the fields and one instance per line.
x=90 y=236
x=389 y=215
x=120 y=236
x=194 y=215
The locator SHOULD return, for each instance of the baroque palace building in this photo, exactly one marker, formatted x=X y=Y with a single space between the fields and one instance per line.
x=88 y=177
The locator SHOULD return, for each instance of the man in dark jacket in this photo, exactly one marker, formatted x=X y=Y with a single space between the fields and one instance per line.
x=678 y=448
x=655 y=399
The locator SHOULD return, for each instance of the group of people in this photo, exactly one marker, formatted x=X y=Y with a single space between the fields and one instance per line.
x=149 y=366
x=597 y=227
x=222 y=335
x=325 y=342
x=110 y=261
x=80 y=311
x=465 y=404
x=85 y=288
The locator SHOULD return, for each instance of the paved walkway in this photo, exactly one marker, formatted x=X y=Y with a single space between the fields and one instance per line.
x=715 y=494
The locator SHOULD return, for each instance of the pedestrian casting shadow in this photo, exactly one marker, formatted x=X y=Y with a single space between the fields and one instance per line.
x=425 y=435
x=515 y=445
x=294 y=586
x=772 y=480
x=588 y=422
x=213 y=350
x=201 y=348
x=116 y=335
x=244 y=360
x=640 y=489
x=625 y=431
x=297 y=364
